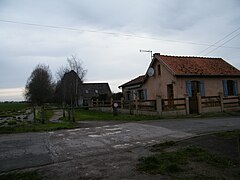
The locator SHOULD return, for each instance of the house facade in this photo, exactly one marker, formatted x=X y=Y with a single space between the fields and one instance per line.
x=178 y=76
x=90 y=91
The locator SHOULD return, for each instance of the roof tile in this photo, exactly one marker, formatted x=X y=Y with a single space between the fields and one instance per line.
x=183 y=65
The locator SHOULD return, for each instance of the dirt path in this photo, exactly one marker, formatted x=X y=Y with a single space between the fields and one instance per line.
x=57 y=114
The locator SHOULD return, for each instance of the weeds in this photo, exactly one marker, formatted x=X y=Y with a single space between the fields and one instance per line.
x=174 y=162
x=30 y=175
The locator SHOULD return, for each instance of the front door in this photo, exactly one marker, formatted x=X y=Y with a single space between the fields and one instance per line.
x=170 y=94
x=193 y=103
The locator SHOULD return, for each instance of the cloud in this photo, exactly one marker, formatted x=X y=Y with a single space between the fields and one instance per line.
x=110 y=57
x=11 y=94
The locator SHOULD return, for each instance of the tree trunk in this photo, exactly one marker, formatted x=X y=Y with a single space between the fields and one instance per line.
x=34 y=114
x=42 y=114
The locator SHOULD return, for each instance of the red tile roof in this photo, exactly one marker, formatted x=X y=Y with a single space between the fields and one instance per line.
x=182 y=65
x=136 y=81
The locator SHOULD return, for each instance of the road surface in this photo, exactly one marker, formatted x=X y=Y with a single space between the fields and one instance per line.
x=25 y=150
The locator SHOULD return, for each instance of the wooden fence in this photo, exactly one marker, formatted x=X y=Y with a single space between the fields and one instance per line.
x=174 y=106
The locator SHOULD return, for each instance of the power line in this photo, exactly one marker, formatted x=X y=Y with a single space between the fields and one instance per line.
x=109 y=33
x=219 y=40
x=222 y=44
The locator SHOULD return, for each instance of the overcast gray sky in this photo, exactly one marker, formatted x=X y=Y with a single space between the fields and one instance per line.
x=108 y=34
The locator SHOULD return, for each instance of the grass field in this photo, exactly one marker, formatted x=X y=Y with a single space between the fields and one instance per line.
x=14 y=106
x=12 y=109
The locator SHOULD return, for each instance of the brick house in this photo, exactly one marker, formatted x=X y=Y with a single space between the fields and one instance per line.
x=179 y=76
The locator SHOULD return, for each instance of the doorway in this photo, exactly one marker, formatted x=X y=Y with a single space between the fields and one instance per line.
x=193 y=102
x=170 y=95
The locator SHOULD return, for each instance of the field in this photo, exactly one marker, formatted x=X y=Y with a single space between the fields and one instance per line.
x=11 y=109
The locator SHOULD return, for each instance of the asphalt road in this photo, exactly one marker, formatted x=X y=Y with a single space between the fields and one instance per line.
x=20 y=151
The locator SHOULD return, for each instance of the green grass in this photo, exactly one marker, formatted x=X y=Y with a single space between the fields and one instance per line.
x=36 y=127
x=14 y=106
x=12 y=109
x=229 y=134
x=160 y=147
x=30 y=175
x=104 y=116
x=47 y=114
x=175 y=161
x=167 y=162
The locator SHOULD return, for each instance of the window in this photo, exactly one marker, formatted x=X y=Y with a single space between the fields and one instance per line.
x=230 y=87
x=159 y=69
x=141 y=94
x=128 y=95
x=170 y=91
x=86 y=91
x=194 y=87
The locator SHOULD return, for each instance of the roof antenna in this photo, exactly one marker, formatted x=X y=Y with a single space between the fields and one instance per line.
x=148 y=51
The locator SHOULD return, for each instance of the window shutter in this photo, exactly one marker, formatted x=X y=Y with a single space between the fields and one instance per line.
x=131 y=95
x=236 y=87
x=225 y=88
x=202 y=88
x=189 y=88
x=145 y=94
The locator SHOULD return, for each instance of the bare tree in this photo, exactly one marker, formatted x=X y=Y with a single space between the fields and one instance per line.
x=76 y=65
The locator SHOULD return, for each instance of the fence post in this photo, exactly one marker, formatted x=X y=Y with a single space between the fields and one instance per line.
x=221 y=101
x=159 y=105
x=63 y=104
x=122 y=101
x=199 y=101
x=187 y=105
x=97 y=103
x=239 y=99
x=111 y=101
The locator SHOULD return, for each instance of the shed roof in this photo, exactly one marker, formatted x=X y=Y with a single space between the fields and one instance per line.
x=136 y=81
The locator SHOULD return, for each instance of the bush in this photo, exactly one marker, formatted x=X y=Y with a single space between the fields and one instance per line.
x=12 y=122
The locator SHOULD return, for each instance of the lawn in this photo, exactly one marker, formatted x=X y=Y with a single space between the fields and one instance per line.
x=82 y=115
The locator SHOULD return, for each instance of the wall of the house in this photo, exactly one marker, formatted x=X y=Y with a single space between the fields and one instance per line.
x=132 y=91
x=213 y=85
x=157 y=84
